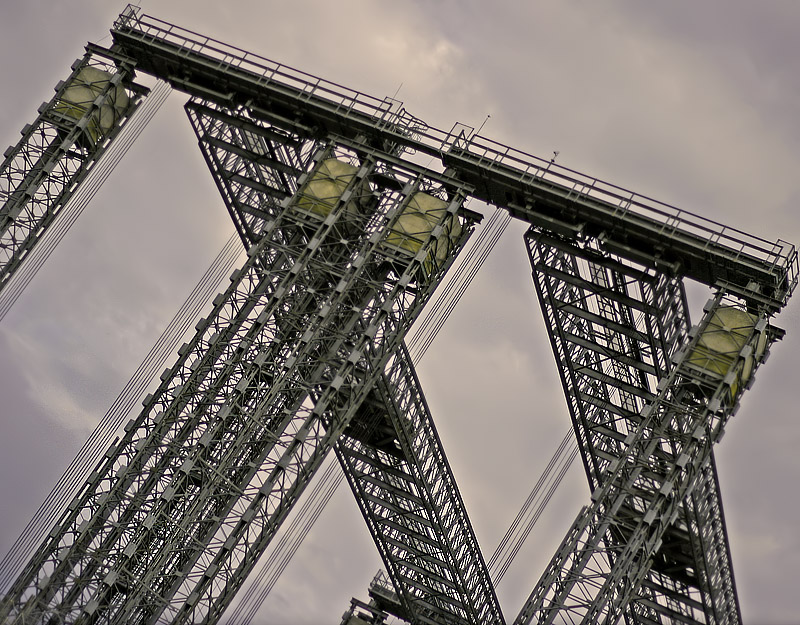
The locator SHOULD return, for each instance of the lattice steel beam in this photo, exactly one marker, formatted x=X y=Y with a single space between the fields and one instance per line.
x=397 y=469
x=176 y=514
x=41 y=172
x=594 y=575
x=613 y=328
x=530 y=188
x=390 y=453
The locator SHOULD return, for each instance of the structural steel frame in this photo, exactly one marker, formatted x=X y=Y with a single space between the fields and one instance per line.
x=177 y=512
x=303 y=353
x=614 y=328
x=390 y=452
x=41 y=172
x=594 y=575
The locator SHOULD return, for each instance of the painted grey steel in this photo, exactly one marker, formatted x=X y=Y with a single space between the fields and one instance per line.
x=614 y=328
x=530 y=188
x=396 y=467
x=390 y=453
x=40 y=173
x=176 y=514
x=594 y=575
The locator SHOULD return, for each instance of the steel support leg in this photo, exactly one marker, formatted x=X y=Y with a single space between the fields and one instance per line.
x=177 y=513
x=614 y=543
x=43 y=170
x=613 y=328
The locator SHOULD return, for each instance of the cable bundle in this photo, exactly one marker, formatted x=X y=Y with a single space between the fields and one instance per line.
x=532 y=508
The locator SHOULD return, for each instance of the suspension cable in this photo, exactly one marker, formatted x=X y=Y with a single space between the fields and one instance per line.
x=533 y=507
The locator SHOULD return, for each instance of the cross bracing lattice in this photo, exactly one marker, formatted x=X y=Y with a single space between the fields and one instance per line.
x=650 y=547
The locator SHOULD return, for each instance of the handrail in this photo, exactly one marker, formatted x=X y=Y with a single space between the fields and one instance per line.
x=732 y=246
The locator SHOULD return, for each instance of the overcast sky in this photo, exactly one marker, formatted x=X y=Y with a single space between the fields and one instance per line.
x=693 y=103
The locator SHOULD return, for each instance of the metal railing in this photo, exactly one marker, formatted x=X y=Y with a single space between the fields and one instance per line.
x=777 y=258
x=673 y=221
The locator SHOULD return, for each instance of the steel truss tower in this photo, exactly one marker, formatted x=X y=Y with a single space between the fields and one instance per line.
x=347 y=236
x=56 y=152
x=615 y=329
x=390 y=452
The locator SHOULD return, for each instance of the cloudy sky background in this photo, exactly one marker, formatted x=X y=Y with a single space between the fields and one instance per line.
x=691 y=103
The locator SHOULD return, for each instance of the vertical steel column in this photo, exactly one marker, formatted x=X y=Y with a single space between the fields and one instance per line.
x=40 y=173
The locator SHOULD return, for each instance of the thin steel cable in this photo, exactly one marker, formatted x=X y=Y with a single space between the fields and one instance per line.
x=100 y=437
x=513 y=528
x=460 y=283
x=261 y=584
x=566 y=461
x=98 y=174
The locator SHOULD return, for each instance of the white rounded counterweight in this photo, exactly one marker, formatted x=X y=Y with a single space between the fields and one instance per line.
x=81 y=94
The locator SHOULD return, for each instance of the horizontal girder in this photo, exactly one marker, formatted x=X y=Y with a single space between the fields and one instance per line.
x=532 y=189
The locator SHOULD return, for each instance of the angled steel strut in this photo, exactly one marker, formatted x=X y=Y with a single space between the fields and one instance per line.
x=41 y=172
x=177 y=513
x=615 y=542
x=390 y=452
x=347 y=237
x=614 y=328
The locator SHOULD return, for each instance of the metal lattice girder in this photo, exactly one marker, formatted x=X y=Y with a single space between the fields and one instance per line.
x=255 y=165
x=530 y=188
x=39 y=174
x=593 y=576
x=177 y=513
x=613 y=328
x=439 y=573
x=393 y=459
